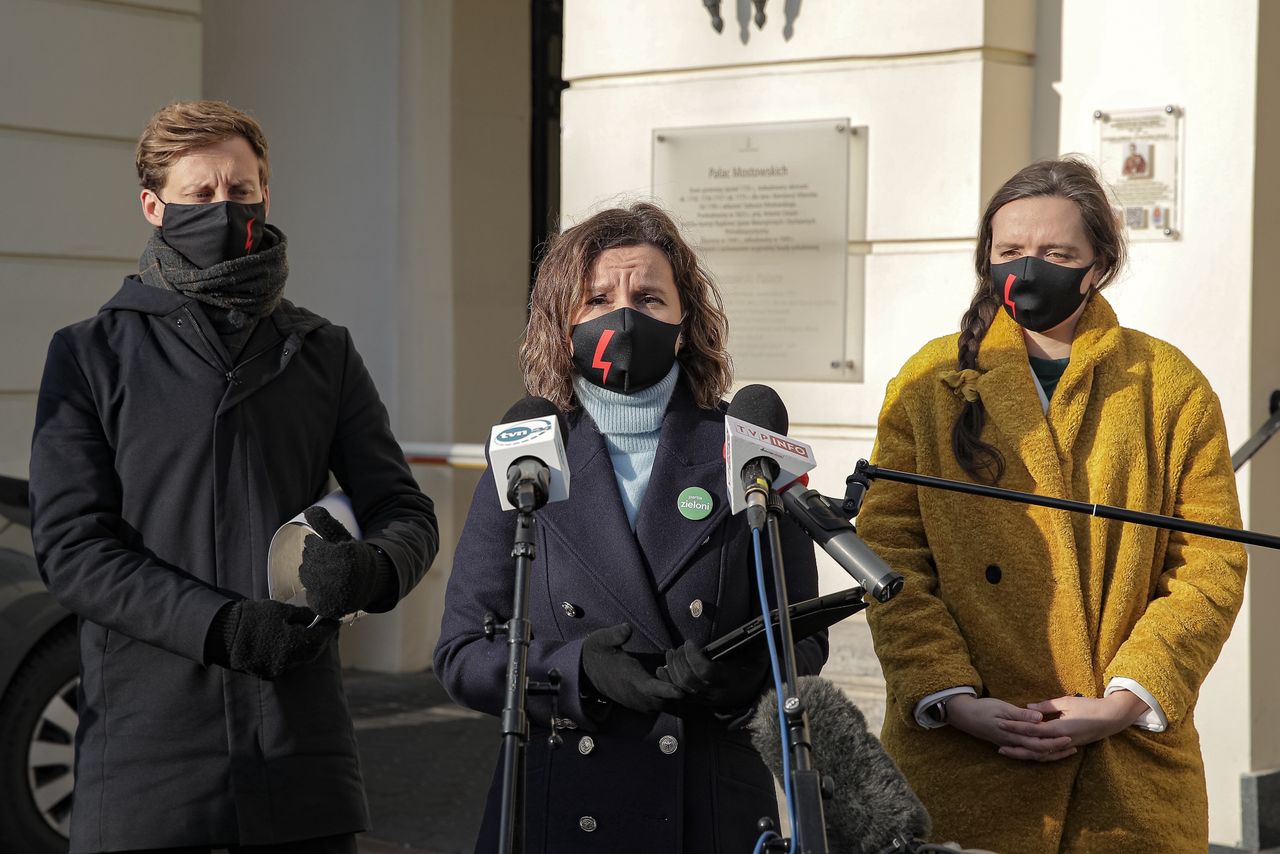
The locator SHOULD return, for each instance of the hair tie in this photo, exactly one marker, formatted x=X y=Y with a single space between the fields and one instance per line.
x=963 y=383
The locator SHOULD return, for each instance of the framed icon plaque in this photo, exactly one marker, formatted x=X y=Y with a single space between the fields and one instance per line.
x=1139 y=154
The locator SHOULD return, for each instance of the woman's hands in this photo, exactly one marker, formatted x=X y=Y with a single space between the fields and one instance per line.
x=615 y=674
x=991 y=720
x=1045 y=731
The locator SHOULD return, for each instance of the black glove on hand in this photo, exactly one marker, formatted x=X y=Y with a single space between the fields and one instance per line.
x=616 y=675
x=265 y=638
x=731 y=682
x=339 y=573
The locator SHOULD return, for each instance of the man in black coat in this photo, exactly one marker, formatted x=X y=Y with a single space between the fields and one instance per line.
x=175 y=431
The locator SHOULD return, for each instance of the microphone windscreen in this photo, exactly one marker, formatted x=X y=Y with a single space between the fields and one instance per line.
x=530 y=407
x=761 y=406
x=873 y=803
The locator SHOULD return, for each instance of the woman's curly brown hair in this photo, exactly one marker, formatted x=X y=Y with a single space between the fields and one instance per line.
x=558 y=292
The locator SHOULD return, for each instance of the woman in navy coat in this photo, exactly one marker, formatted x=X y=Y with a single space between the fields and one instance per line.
x=642 y=565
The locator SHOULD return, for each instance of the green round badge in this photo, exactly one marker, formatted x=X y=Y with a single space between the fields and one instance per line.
x=695 y=503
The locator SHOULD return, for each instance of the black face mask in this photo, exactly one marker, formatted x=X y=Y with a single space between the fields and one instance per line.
x=210 y=234
x=1039 y=294
x=624 y=350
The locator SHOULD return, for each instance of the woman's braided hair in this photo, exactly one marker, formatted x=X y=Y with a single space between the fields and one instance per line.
x=1072 y=178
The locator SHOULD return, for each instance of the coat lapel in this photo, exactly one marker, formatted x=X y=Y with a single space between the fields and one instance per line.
x=1008 y=393
x=690 y=454
x=1097 y=337
x=593 y=526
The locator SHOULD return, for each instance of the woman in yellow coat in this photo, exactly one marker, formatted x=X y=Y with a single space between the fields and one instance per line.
x=1042 y=667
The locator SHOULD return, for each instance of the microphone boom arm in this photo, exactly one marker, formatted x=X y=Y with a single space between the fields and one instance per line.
x=1261 y=437
x=858 y=483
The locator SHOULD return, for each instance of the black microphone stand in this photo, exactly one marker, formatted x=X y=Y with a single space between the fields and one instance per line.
x=528 y=486
x=857 y=484
x=810 y=831
x=1260 y=438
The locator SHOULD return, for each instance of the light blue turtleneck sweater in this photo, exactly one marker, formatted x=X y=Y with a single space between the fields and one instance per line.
x=631 y=424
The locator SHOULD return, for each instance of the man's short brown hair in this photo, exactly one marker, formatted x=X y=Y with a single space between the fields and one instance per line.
x=184 y=126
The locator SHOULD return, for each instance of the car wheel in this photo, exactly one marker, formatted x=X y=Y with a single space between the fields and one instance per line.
x=38 y=720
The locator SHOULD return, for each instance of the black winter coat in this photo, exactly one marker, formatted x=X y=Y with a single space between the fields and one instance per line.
x=159 y=471
x=688 y=782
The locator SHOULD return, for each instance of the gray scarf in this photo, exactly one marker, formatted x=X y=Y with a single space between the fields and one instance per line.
x=245 y=290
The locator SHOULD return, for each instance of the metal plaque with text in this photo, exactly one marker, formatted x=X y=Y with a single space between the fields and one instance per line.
x=767 y=206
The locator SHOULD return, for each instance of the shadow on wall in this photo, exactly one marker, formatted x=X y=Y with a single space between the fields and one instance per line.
x=791 y=11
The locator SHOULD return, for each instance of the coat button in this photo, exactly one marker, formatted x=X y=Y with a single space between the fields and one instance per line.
x=587 y=823
x=179 y=322
x=695 y=608
x=668 y=744
x=586 y=744
x=993 y=574
x=571 y=609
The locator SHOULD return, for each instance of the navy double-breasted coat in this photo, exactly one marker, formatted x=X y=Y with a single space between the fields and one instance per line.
x=160 y=469
x=671 y=782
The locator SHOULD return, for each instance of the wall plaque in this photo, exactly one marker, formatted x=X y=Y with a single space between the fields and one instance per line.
x=767 y=206
x=1138 y=154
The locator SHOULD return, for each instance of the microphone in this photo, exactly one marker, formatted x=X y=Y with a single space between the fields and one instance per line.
x=839 y=538
x=873 y=805
x=758 y=453
x=529 y=446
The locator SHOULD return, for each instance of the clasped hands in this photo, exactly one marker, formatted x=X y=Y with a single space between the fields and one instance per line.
x=1045 y=731
x=687 y=677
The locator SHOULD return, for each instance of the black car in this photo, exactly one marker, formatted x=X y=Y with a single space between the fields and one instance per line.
x=39 y=675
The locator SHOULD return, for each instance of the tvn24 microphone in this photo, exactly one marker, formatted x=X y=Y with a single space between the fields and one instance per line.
x=529 y=447
x=840 y=539
x=873 y=806
x=758 y=454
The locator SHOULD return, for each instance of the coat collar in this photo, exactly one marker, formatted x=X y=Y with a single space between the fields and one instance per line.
x=634 y=570
x=1007 y=389
x=257 y=365
x=134 y=295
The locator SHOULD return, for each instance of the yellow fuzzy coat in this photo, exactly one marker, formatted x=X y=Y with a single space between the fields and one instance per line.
x=1072 y=600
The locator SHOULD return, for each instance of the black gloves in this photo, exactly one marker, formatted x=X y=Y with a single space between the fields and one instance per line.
x=265 y=638
x=340 y=574
x=615 y=675
x=731 y=682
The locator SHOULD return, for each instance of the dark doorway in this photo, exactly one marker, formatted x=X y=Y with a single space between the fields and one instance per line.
x=544 y=136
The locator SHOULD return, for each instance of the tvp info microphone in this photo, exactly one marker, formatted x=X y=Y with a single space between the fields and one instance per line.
x=758 y=454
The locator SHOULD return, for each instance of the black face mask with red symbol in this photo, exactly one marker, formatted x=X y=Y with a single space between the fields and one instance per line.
x=1039 y=294
x=208 y=235
x=625 y=350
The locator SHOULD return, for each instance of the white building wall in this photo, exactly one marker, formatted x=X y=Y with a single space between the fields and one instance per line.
x=80 y=81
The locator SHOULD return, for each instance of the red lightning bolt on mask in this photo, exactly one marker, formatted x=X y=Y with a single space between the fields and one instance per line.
x=248 y=235
x=598 y=360
x=1008 y=286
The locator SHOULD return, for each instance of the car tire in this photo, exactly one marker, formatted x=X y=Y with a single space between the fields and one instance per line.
x=37 y=745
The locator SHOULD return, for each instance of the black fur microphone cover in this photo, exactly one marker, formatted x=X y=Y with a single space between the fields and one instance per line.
x=873 y=803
